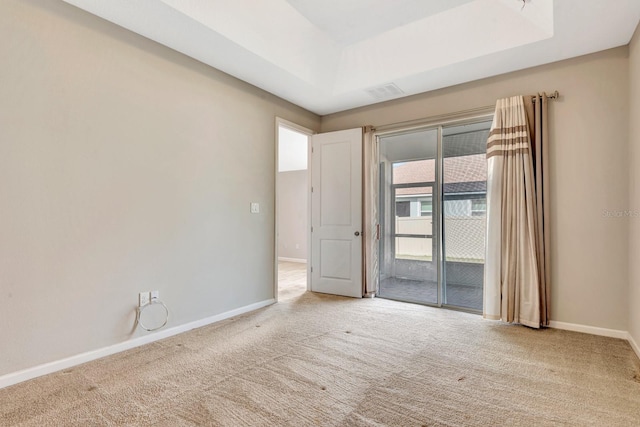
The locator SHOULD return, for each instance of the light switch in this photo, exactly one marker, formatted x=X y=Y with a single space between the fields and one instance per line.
x=255 y=207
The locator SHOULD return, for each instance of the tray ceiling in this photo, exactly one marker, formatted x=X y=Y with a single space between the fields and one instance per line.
x=333 y=55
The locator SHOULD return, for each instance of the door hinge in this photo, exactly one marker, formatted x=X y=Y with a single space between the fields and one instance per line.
x=312 y=229
x=312 y=189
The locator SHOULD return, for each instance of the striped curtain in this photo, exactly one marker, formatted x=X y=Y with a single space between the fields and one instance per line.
x=512 y=290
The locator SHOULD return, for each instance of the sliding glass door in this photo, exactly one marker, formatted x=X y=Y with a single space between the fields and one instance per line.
x=433 y=214
x=464 y=196
x=408 y=200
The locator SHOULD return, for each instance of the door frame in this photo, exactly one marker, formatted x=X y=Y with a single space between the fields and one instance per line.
x=280 y=122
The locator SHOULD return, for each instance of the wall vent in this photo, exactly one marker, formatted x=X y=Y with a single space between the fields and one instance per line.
x=386 y=91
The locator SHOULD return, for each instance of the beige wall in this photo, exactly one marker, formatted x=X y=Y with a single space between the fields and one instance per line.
x=589 y=171
x=124 y=166
x=292 y=214
x=634 y=190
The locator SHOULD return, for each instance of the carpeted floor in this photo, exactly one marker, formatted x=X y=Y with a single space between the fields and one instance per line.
x=321 y=360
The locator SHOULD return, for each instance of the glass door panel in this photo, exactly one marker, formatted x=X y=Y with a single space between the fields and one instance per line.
x=408 y=245
x=464 y=213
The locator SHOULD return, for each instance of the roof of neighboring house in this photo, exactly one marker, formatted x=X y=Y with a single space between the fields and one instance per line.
x=461 y=174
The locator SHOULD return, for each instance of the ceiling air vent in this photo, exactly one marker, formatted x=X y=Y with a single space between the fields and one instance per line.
x=386 y=91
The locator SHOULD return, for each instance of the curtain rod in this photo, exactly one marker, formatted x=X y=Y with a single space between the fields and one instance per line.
x=441 y=119
x=554 y=95
x=449 y=118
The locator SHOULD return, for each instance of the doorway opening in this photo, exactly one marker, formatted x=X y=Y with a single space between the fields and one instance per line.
x=433 y=215
x=292 y=210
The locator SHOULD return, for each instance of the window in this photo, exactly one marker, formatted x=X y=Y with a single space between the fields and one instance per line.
x=403 y=208
x=478 y=207
x=426 y=207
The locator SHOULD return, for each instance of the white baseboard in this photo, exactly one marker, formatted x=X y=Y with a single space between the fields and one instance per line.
x=593 y=330
x=58 y=365
x=634 y=345
x=299 y=260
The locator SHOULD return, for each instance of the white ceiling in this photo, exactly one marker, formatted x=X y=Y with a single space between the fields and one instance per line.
x=332 y=55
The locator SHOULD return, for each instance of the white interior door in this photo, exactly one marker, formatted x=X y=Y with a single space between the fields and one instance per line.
x=336 y=213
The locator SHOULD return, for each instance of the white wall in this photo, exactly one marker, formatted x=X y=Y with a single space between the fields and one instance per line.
x=124 y=166
x=634 y=190
x=293 y=197
x=292 y=150
x=293 y=214
x=589 y=172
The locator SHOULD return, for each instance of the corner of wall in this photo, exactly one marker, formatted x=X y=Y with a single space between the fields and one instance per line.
x=633 y=322
x=100 y=212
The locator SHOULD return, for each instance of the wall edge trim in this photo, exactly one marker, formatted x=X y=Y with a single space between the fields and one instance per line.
x=12 y=378
x=298 y=260
x=593 y=330
x=634 y=345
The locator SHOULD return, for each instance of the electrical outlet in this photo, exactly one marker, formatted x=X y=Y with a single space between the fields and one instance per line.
x=155 y=295
x=143 y=299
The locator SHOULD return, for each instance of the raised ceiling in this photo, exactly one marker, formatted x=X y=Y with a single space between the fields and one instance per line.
x=333 y=55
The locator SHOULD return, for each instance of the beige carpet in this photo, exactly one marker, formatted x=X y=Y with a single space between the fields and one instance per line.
x=322 y=360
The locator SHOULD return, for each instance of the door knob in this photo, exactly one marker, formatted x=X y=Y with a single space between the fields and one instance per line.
x=357 y=233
